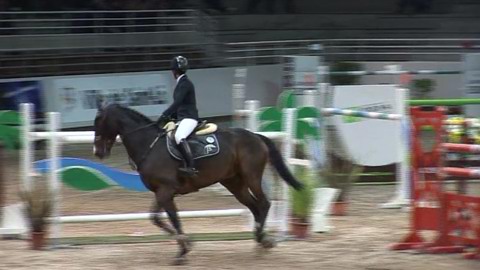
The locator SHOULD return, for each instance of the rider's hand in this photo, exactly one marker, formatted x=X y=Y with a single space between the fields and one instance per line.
x=162 y=119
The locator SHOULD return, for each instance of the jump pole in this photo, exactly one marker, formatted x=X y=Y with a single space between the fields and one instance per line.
x=444 y=102
x=461 y=148
x=145 y=216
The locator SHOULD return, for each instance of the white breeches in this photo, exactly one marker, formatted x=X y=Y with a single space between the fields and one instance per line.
x=184 y=129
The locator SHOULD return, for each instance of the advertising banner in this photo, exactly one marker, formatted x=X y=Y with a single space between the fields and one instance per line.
x=370 y=142
x=13 y=93
x=472 y=82
x=76 y=97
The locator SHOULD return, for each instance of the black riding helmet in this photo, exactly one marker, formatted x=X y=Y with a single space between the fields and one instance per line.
x=179 y=63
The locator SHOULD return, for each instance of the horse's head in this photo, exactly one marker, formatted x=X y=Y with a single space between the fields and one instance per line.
x=106 y=131
x=113 y=120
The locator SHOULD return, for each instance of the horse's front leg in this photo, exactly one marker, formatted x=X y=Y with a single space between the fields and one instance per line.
x=182 y=239
x=164 y=196
x=157 y=219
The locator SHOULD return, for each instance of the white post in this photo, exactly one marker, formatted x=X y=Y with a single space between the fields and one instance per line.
x=402 y=196
x=238 y=93
x=323 y=74
x=403 y=171
x=26 y=109
x=288 y=153
x=54 y=183
x=394 y=69
x=252 y=106
x=310 y=98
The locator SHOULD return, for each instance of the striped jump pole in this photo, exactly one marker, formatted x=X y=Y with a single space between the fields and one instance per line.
x=371 y=115
x=444 y=102
x=460 y=172
x=461 y=148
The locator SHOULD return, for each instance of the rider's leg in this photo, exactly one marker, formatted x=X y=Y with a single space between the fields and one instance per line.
x=184 y=129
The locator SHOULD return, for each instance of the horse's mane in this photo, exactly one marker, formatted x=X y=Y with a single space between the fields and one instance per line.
x=135 y=115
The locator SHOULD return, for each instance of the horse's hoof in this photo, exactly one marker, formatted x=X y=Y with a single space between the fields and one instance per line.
x=188 y=246
x=185 y=243
x=268 y=242
x=179 y=261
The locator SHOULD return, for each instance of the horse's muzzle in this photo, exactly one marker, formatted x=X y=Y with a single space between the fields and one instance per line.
x=101 y=153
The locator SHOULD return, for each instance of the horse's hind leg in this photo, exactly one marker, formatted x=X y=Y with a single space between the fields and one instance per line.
x=255 y=186
x=238 y=187
x=164 y=196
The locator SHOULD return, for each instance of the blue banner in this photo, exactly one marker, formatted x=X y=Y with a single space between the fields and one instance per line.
x=12 y=94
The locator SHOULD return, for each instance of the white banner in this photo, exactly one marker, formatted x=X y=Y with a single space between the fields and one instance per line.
x=369 y=142
x=472 y=82
x=76 y=97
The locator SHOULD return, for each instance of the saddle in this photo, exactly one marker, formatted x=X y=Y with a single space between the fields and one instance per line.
x=203 y=141
x=202 y=128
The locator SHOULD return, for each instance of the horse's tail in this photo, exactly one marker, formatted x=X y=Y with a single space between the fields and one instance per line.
x=277 y=161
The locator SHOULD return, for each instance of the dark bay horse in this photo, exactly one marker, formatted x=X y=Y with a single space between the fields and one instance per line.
x=238 y=166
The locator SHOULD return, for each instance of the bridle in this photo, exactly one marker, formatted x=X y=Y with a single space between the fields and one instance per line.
x=161 y=133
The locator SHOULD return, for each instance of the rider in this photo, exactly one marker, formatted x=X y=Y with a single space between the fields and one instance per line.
x=184 y=108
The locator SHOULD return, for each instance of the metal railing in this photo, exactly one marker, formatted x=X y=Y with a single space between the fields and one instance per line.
x=100 y=60
x=27 y=31
x=82 y=42
x=352 y=49
x=95 y=22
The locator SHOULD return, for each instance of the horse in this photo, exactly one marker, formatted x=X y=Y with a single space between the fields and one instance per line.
x=238 y=165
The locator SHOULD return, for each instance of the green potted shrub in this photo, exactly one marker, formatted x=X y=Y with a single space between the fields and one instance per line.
x=344 y=79
x=302 y=203
x=38 y=206
x=422 y=87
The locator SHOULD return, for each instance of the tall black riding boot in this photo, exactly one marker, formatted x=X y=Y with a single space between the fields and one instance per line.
x=189 y=168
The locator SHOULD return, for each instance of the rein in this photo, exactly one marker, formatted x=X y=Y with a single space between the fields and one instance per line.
x=140 y=128
x=154 y=142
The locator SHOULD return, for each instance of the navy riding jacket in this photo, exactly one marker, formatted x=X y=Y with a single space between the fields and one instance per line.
x=184 y=102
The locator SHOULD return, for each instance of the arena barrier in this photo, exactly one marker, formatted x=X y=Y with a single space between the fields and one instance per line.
x=453 y=216
x=278 y=216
